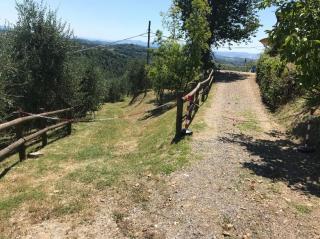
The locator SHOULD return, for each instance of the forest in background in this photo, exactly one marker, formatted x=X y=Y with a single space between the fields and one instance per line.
x=84 y=81
x=235 y=63
x=44 y=67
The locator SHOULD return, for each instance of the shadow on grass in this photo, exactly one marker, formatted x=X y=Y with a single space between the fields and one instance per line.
x=135 y=98
x=280 y=160
x=158 y=111
x=4 y=172
x=167 y=97
x=178 y=138
x=34 y=145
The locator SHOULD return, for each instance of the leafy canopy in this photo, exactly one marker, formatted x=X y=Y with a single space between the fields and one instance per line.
x=296 y=37
x=167 y=70
x=40 y=43
x=175 y=65
x=229 y=20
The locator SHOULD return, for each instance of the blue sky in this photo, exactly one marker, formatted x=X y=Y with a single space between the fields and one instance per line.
x=118 y=19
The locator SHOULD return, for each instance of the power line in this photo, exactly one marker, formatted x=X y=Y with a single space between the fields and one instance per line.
x=109 y=43
x=167 y=37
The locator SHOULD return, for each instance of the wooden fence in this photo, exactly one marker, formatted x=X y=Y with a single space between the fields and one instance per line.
x=203 y=89
x=23 y=139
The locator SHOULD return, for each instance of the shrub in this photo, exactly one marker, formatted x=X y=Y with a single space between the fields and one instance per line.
x=276 y=80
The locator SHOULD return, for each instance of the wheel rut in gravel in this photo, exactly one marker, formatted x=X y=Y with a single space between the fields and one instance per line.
x=251 y=183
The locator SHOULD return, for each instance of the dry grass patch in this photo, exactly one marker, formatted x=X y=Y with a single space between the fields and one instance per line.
x=99 y=158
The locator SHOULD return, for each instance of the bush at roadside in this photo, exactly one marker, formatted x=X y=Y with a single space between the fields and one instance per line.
x=276 y=80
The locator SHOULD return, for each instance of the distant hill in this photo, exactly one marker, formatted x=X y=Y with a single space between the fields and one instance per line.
x=116 y=56
x=102 y=42
x=127 y=50
x=233 y=60
x=237 y=61
x=243 y=55
x=114 y=59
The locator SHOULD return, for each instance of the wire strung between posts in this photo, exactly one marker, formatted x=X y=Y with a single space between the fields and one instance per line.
x=109 y=119
x=110 y=43
x=43 y=117
x=95 y=120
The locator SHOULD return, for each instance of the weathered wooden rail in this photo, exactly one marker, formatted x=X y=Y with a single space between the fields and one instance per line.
x=203 y=89
x=22 y=139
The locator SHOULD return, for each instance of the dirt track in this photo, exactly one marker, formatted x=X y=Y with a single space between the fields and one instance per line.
x=251 y=183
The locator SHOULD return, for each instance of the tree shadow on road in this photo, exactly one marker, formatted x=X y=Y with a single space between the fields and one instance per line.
x=280 y=160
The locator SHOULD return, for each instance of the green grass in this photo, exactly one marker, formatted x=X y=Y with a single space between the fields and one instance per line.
x=91 y=151
x=69 y=208
x=8 y=204
x=303 y=209
x=200 y=125
x=97 y=156
x=249 y=124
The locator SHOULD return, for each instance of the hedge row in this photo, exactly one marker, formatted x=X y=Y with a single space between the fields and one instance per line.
x=276 y=80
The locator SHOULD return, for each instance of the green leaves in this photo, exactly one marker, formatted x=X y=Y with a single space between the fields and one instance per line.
x=198 y=34
x=276 y=81
x=40 y=43
x=175 y=65
x=296 y=38
x=167 y=71
x=229 y=20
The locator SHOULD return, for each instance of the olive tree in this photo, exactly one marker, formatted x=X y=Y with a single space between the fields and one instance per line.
x=39 y=51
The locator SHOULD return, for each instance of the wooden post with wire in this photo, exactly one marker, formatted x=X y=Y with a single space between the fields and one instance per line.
x=19 y=135
x=69 y=125
x=179 y=118
x=204 y=93
x=197 y=101
x=43 y=125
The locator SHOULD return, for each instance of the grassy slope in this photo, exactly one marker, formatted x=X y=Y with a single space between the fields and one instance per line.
x=293 y=116
x=97 y=157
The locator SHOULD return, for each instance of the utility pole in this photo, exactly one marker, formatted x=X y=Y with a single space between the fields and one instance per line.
x=148 y=50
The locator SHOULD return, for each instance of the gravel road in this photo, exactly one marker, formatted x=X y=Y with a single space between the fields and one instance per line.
x=243 y=187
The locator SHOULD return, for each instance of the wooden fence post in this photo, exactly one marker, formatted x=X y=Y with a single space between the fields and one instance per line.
x=69 y=125
x=196 y=100
x=179 y=114
x=204 y=92
x=19 y=135
x=43 y=125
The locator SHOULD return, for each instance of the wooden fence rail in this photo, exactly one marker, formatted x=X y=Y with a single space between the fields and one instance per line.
x=21 y=139
x=31 y=117
x=203 y=89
